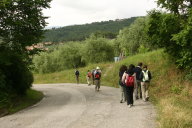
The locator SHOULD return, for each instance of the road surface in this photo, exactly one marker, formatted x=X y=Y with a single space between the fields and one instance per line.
x=79 y=106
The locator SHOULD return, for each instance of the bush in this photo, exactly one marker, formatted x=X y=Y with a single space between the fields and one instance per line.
x=74 y=54
x=98 y=50
x=64 y=57
x=189 y=75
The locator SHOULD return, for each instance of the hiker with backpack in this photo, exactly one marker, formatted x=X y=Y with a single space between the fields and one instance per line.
x=129 y=79
x=138 y=70
x=123 y=97
x=97 y=76
x=145 y=77
x=88 y=76
x=77 y=76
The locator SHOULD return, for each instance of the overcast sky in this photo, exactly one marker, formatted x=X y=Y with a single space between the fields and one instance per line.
x=70 y=12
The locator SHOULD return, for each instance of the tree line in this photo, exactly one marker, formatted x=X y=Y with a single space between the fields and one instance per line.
x=95 y=49
x=109 y=29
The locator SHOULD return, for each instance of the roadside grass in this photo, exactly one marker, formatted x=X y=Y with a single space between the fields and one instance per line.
x=20 y=102
x=67 y=76
x=169 y=91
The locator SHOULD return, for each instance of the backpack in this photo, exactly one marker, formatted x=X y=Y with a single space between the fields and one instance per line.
x=97 y=75
x=145 y=76
x=129 y=80
x=77 y=73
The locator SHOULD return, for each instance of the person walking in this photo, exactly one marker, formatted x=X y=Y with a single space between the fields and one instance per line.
x=97 y=76
x=138 y=70
x=123 y=97
x=77 y=75
x=129 y=78
x=88 y=76
x=93 y=77
x=145 y=77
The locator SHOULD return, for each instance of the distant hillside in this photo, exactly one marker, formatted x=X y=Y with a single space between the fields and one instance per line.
x=80 y=32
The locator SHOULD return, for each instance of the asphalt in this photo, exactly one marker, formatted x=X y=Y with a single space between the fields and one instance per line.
x=79 y=106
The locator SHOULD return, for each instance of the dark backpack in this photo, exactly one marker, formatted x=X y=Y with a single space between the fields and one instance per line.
x=130 y=80
x=77 y=73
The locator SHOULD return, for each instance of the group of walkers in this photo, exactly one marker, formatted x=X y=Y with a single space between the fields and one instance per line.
x=94 y=75
x=134 y=79
x=131 y=79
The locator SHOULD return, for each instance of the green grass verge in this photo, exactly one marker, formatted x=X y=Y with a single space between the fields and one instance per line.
x=68 y=76
x=169 y=92
x=21 y=102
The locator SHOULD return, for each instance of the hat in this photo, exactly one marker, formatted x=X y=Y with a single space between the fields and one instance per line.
x=97 y=68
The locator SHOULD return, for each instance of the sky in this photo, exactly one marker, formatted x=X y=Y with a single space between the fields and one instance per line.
x=73 y=12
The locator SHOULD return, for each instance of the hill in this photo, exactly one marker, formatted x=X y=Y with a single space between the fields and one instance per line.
x=169 y=90
x=79 y=32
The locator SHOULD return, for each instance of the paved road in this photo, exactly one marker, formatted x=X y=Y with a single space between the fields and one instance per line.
x=79 y=106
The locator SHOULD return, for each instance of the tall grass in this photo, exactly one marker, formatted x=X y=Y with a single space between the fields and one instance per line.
x=168 y=91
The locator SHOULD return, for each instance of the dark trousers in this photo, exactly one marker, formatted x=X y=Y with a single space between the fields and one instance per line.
x=77 y=79
x=129 y=91
x=124 y=90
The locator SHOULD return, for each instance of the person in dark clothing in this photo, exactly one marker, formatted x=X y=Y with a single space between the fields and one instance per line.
x=129 y=77
x=145 y=77
x=138 y=71
x=77 y=76
x=97 y=76
x=123 y=96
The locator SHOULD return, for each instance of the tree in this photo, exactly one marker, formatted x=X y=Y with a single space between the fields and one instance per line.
x=98 y=50
x=178 y=7
x=173 y=30
x=132 y=37
x=70 y=55
x=21 y=25
x=22 y=22
x=66 y=56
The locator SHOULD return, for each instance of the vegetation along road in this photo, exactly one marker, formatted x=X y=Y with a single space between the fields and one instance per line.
x=79 y=106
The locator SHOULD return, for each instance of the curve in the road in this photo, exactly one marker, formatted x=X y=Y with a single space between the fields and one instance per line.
x=79 y=106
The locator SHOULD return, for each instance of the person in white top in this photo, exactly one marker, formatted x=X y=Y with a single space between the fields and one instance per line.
x=145 y=77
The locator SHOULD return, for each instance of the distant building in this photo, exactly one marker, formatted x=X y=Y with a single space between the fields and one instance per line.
x=41 y=46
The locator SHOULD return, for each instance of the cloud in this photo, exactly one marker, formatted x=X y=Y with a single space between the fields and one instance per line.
x=69 y=12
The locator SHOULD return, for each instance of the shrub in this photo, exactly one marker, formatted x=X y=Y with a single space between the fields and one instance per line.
x=64 y=57
x=98 y=50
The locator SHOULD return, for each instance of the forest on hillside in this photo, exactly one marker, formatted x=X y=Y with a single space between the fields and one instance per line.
x=96 y=48
x=109 y=29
